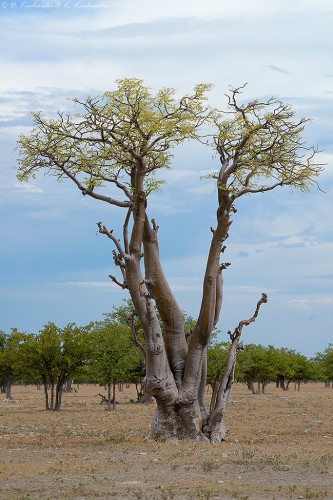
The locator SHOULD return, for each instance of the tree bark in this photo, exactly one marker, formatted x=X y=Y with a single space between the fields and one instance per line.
x=46 y=394
x=175 y=373
x=59 y=390
x=9 y=389
x=210 y=303
x=52 y=395
x=171 y=314
x=159 y=381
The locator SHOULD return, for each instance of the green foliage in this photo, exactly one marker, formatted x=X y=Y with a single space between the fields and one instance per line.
x=57 y=354
x=102 y=142
x=263 y=364
x=260 y=147
x=13 y=356
x=323 y=362
x=217 y=357
x=54 y=356
x=254 y=364
x=259 y=144
x=104 y=351
x=115 y=358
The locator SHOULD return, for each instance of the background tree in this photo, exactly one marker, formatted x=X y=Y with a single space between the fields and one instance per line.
x=264 y=364
x=324 y=364
x=292 y=366
x=3 y=382
x=256 y=365
x=122 y=140
x=12 y=359
x=115 y=357
x=57 y=354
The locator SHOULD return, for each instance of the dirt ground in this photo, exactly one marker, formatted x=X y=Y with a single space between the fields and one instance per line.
x=280 y=446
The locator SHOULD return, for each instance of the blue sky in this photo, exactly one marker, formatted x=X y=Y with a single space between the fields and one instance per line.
x=54 y=267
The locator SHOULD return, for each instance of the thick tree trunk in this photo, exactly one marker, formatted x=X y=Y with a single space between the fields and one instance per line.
x=175 y=372
x=171 y=314
x=176 y=421
x=159 y=381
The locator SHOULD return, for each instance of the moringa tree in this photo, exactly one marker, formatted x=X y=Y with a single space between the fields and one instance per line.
x=121 y=140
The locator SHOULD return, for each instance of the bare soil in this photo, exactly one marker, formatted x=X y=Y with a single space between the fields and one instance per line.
x=280 y=446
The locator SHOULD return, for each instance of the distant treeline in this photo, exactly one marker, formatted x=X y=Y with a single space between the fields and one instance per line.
x=110 y=352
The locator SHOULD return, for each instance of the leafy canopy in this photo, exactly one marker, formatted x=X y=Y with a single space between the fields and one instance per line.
x=259 y=144
x=260 y=147
x=104 y=141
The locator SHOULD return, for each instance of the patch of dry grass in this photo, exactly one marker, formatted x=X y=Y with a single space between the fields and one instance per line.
x=280 y=446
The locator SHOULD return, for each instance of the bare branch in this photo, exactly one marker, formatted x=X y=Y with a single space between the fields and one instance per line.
x=238 y=330
x=262 y=189
x=136 y=341
x=102 y=229
x=114 y=279
x=90 y=192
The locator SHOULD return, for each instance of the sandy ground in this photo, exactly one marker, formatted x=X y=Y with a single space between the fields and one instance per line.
x=280 y=446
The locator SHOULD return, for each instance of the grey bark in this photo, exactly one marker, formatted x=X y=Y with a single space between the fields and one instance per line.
x=176 y=372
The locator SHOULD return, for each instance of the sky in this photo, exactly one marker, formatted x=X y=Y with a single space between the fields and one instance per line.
x=54 y=266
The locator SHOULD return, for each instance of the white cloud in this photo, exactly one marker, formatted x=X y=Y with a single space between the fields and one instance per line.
x=48 y=52
x=143 y=10
x=26 y=188
x=312 y=302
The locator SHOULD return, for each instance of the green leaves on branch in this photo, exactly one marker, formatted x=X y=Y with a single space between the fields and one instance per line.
x=130 y=131
x=256 y=363
x=260 y=147
x=324 y=362
x=116 y=359
x=112 y=135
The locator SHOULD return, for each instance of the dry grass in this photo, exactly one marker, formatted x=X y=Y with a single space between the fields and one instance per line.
x=280 y=446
